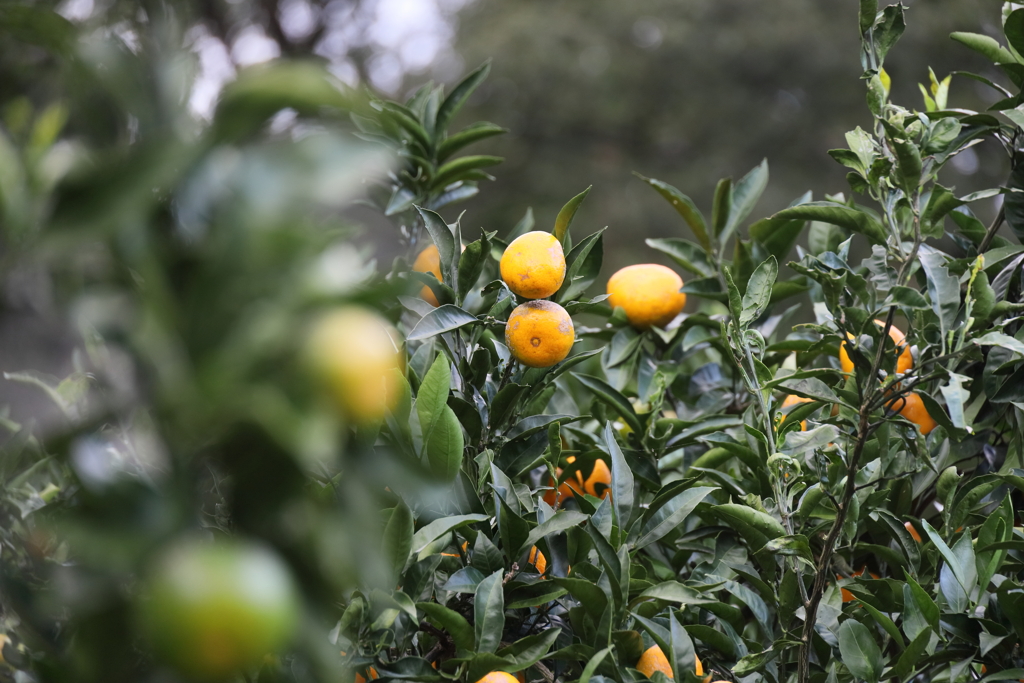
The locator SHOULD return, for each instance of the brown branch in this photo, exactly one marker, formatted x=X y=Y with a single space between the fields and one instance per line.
x=991 y=232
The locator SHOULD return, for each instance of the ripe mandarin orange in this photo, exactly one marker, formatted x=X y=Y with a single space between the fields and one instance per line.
x=538 y=560
x=601 y=475
x=648 y=293
x=912 y=407
x=428 y=261
x=498 y=677
x=904 y=361
x=539 y=333
x=567 y=489
x=653 y=659
x=533 y=266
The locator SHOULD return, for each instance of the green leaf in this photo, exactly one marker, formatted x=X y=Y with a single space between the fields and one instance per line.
x=431 y=532
x=673 y=591
x=452 y=622
x=889 y=30
x=735 y=298
x=755 y=662
x=987 y=46
x=810 y=387
x=408 y=122
x=458 y=97
x=671 y=515
x=1001 y=340
x=1004 y=675
x=527 y=651
x=860 y=652
x=609 y=395
x=444 y=240
x=582 y=266
x=952 y=560
x=868 y=13
x=943 y=289
x=466 y=137
x=759 y=291
x=592 y=665
x=445 y=444
x=756 y=527
x=397 y=541
x=459 y=169
x=908 y=297
x=440 y=320
x=778 y=235
x=592 y=598
x=622 y=479
x=685 y=253
x=1013 y=27
x=683 y=657
x=432 y=398
x=908 y=661
x=562 y=520
x=564 y=219
x=685 y=207
x=489 y=612
x=908 y=157
x=744 y=196
x=721 y=205
x=837 y=214
x=471 y=264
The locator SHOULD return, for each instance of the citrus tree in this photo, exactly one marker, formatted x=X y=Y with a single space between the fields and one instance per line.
x=277 y=462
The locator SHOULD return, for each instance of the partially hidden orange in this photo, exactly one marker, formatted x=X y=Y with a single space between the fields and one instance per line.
x=912 y=408
x=428 y=261
x=654 y=659
x=904 y=360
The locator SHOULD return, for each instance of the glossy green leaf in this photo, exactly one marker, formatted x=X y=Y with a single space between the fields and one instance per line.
x=684 y=252
x=860 y=652
x=610 y=396
x=460 y=93
x=440 y=320
x=837 y=214
x=462 y=168
x=744 y=197
x=445 y=444
x=685 y=207
x=759 y=291
x=431 y=532
x=986 y=45
x=489 y=613
x=432 y=398
x=397 y=541
x=671 y=515
x=622 y=479
x=564 y=219
x=562 y=520
x=452 y=622
x=467 y=136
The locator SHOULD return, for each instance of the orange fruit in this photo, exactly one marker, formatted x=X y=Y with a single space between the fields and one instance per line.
x=567 y=489
x=353 y=353
x=498 y=677
x=793 y=400
x=648 y=293
x=905 y=359
x=912 y=531
x=847 y=595
x=212 y=608
x=600 y=475
x=538 y=560
x=360 y=678
x=653 y=659
x=533 y=266
x=912 y=408
x=539 y=333
x=428 y=261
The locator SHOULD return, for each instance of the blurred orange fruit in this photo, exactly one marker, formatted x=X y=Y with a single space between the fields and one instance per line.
x=539 y=333
x=648 y=293
x=904 y=361
x=353 y=353
x=793 y=400
x=912 y=531
x=533 y=265
x=538 y=560
x=498 y=677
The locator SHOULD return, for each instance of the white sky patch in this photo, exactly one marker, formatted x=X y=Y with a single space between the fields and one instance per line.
x=76 y=10
x=215 y=69
x=252 y=46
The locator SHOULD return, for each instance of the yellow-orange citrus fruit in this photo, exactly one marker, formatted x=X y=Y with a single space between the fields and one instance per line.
x=538 y=560
x=211 y=609
x=353 y=353
x=648 y=293
x=360 y=678
x=567 y=489
x=498 y=677
x=912 y=408
x=601 y=475
x=539 y=333
x=847 y=595
x=912 y=531
x=428 y=261
x=533 y=266
x=793 y=400
x=904 y=361
x=653 y=659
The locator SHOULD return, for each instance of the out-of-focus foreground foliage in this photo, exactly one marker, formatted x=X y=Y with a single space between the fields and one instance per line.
x=720 y=494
